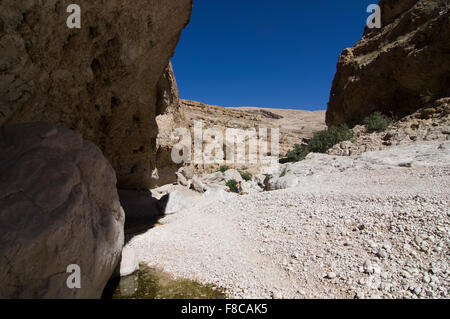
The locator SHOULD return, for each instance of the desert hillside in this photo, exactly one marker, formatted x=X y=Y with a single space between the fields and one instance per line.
x=295 y=126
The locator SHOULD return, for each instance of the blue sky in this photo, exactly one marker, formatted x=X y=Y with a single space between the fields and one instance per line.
x=279 y=54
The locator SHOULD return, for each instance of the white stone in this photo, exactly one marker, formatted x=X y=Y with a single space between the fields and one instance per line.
x=232 y=174
x=129 y=263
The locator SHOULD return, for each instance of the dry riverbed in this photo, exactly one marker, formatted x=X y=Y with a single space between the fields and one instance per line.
x=374 y=232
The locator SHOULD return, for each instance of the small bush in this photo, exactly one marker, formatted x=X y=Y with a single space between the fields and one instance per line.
x=232 y=185
x=223 y=168
x=246 y=176
x=320 y=143
x=377 y=122
x=299 y=153
x=324 y=140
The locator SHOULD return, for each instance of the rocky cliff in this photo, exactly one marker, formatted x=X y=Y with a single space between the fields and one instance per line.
x=294 y=126
x=101 y=80
x=170 y=115
x=396 y=69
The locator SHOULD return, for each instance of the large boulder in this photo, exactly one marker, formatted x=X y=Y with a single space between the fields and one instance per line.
x=250 y=187
x=259 y=180
x=232 y=174
x=284 y=182
x=177 y=201
x=216 y=178
x=396 y=69
x=58 y=206
x=129 y=263
x=198 y=185
x=181 y=180
x=106 y=80
x=218 y=194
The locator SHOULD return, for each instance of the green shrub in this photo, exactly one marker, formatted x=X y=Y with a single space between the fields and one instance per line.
x=320 y=143
x=377 y=122
x=324 y=140
x=232 y=185
x=223 y=168
x=298 y=153
x=246 y=176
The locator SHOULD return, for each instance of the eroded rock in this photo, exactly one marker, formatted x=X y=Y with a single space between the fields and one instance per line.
x=58 y=206
x=104 y=80
x=396 y=69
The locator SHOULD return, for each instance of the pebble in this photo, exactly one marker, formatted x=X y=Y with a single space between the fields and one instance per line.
x=426 y=279
x=360 y=295
x=331 y=275
x=417 y=290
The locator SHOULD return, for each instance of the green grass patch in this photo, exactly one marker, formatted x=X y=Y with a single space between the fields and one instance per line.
x=246 y=176
x=223 y=168
x=232 y=185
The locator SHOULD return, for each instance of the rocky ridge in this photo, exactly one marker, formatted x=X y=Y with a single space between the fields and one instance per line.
x=295 y=126
x=396 y=69
x=430 y=123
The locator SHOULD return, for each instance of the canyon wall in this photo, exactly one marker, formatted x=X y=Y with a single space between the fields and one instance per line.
x=295 y=127
x=397 y=69
x=101 y=80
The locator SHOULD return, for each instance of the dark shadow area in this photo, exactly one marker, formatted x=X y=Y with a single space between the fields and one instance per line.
x=142 y=212
x=111 y=287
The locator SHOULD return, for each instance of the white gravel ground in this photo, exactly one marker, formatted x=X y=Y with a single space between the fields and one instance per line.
x=372 y=232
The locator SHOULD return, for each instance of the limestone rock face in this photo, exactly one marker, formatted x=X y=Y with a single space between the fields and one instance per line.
x=101 y=80
x=398 y=68
x=294 y=126
x=169 y=117
x=58 y=206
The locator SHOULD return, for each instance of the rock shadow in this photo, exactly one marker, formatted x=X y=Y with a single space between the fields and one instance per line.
x=142 y=211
